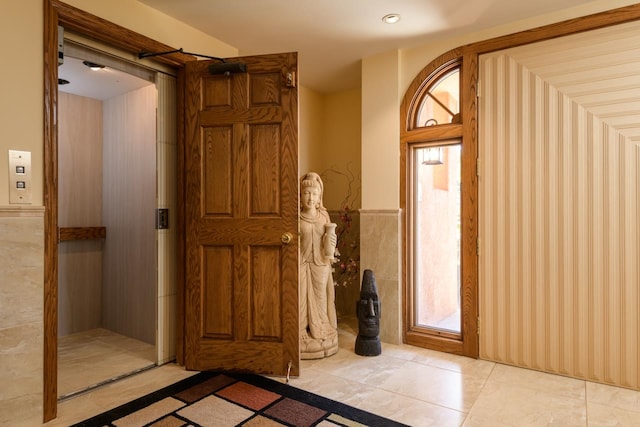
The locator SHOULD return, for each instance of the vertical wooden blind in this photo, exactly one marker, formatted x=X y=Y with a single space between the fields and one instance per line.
x=559 y=143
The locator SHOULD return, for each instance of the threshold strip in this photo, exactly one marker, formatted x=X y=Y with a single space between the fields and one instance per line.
x=105 y=382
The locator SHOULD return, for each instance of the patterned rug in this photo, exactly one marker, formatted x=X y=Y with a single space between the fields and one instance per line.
x=231 y=399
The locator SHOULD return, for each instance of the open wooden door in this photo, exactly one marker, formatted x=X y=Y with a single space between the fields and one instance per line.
x=241 y=165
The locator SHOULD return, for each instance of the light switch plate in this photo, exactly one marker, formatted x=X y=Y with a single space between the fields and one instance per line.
x=20 y=177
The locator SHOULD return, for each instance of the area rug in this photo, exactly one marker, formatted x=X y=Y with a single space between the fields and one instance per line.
x=231 y=399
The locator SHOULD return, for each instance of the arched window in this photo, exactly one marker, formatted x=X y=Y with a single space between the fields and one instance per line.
x=435 y=184
x=439 y=99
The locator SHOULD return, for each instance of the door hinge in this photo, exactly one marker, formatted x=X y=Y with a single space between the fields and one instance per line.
x=478 y=246
x=162 y=219
x=478 y=167
x=291 y=79
x=478 y=326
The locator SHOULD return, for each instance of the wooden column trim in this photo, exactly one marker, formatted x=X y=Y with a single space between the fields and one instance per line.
x=50 y=350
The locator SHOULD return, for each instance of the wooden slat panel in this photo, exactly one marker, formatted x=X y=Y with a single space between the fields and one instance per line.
x=560 y=198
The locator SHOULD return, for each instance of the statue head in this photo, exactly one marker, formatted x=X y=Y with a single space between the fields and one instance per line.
x=368 y=307
x=312 y=180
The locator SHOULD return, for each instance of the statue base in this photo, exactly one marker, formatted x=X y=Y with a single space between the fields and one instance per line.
x=318 y=348
x=319 y=354
x=366 y=346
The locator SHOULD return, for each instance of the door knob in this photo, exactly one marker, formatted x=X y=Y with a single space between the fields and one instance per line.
x=286 y=238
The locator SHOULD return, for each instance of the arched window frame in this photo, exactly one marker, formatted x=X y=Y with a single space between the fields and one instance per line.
x=412 y=135
x=424 y=92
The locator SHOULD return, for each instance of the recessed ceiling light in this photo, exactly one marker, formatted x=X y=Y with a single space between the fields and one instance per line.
x=93 y=65
x=391 y=18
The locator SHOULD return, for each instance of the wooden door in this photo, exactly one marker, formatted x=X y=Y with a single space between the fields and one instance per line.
x=241 y=164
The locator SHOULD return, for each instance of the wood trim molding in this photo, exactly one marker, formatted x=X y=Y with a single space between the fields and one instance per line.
x=469 y=209
x=558 y=29
x=50 y=349
x=81 y=22
x=107 y=32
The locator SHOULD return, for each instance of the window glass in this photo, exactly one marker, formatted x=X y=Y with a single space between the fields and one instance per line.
x=441 y=100
x=436 y=239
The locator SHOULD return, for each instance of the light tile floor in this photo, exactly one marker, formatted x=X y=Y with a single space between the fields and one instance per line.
x=418 y=387
x=106 y=354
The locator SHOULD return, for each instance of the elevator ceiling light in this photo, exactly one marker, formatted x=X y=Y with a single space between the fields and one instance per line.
x=93 y=65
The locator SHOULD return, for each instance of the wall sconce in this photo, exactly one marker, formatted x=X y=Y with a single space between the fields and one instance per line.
x=431 y=156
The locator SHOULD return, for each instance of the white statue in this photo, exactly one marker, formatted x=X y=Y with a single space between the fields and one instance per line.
x=318 y=320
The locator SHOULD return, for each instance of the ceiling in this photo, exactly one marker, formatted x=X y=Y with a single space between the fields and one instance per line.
x=332 y=36
x=100 y=84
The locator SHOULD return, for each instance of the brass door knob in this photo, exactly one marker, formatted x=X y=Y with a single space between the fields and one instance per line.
x=286 y=238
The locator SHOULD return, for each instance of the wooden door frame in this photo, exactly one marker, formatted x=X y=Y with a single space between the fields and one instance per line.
x=468 y=131
x=58 y=13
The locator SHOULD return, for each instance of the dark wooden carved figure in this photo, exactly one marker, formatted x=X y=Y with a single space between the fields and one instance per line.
x=368 y=312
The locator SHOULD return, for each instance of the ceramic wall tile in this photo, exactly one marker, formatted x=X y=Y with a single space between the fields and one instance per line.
x=381 y=253
x=21 y=315
x=390 y=293
x=380 y=240
x=21 y=375
x=21 y=271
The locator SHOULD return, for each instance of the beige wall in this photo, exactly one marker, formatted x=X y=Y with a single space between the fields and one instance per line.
x=340 y=150
x=311 y=111
x=21 y=104
x=381 y=131
x=143 y=19
x=330 y=144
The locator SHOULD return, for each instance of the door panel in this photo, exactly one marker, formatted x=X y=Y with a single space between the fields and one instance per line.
x=242 y=196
